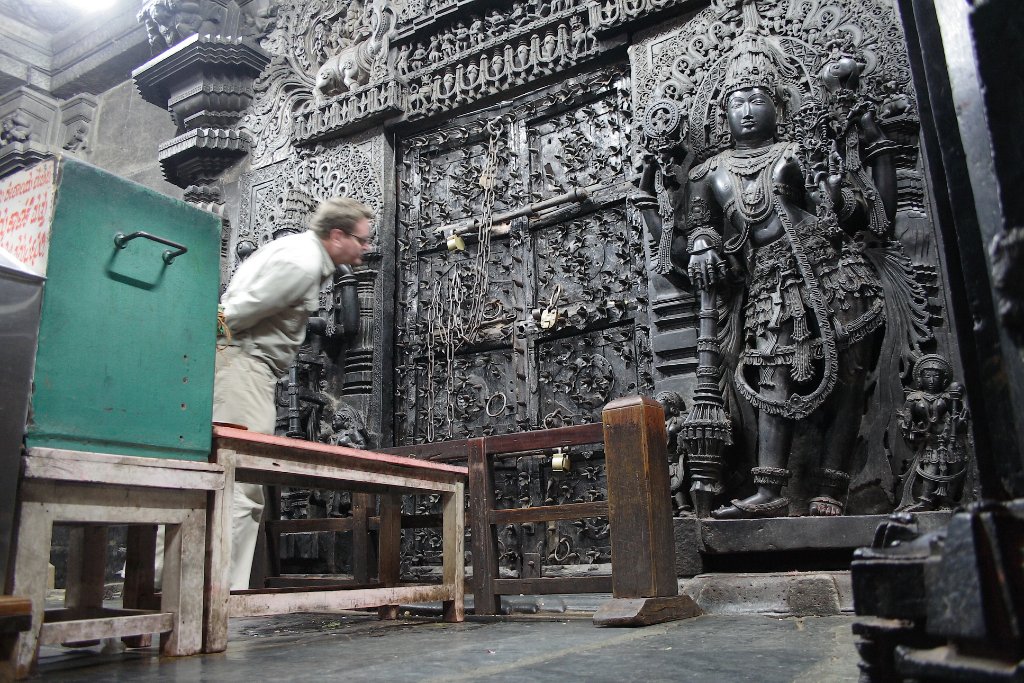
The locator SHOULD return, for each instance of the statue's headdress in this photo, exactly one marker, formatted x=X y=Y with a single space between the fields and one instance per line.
x=752 y=64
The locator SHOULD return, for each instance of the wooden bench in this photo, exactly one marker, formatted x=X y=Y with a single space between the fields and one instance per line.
x=643 y=580
x=261 y=459
x=91 y=491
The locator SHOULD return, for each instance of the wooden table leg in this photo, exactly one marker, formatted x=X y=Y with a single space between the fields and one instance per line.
x=31 y=560
x=87 y=563
x=140 y=576
x=389 y=547
x=484 y=537
x=182 y=586
x=218 y=558
x=452 y=542
x=361 y=505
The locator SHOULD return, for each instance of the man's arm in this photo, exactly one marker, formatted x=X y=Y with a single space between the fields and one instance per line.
x=279 y=285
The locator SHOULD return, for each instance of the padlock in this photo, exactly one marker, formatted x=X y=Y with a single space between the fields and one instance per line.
x=455 y=242
x=560 y=461
x=548 y=318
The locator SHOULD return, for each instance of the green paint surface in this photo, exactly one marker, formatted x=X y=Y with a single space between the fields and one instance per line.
x=126 y=342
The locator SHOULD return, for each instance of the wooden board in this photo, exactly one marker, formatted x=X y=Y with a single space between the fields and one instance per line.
x=549 y=513
x=645 y=611
x=248 y=442
x=264 y=602
x=54 y=464
x=553 y=585
x=105 y=627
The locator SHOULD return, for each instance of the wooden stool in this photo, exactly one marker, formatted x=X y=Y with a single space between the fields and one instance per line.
x=92 y=491
x=258 y=458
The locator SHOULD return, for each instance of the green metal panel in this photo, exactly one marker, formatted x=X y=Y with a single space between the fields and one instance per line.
x=126 y=342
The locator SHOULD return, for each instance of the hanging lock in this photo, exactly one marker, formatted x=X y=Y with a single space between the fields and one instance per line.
x=455 y=242
x=560 y=460
x=548 y=318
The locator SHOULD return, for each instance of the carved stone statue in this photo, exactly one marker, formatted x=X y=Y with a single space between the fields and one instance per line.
x=168 y=22
x=775 y=228
x=16 y=128
x=352 y=67
x=346 y=428
x=934 y=422
x=675 y=419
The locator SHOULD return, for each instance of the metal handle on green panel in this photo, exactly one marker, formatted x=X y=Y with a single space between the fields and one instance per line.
x=121 y=239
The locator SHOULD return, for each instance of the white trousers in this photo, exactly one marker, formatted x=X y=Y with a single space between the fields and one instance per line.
x=243 y=394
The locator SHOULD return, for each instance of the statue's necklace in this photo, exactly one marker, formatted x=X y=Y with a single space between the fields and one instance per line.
x=753 y=200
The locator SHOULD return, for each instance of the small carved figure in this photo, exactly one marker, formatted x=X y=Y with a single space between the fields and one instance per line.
x=895 y=101
x=476 y=31
x=402 y=61
x=580 y=38
x=434 y=50
x=934 y=422
x=495 y=22
x=346 y=428
x=16 y=128
x=418 y=58
x=675 y=419
x=448 y=48
x=168 y=22
x=461 y=37
x=76 y=138
x=351 y=67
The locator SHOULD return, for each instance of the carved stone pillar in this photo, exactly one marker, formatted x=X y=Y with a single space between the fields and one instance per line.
x=206 y=84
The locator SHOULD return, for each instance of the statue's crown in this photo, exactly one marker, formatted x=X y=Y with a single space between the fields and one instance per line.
x=752 y=64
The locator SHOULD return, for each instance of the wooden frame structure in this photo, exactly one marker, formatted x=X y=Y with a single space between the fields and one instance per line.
x=262 y=459
x=91 y=491
x=632 y=430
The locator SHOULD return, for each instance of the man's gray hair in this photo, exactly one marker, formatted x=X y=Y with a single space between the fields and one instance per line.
x=340 y=213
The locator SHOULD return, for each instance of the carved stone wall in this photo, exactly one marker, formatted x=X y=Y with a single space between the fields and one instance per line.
x=477 y=315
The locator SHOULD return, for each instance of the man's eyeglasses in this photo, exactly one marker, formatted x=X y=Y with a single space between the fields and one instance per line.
x=365 y=241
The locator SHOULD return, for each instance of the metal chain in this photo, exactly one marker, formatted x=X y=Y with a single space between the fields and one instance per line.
x=449 y=330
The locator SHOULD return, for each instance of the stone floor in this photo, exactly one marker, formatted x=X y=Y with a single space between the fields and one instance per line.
x=358 y=647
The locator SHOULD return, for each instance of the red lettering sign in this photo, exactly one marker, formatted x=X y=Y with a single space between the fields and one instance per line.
x=26 y=201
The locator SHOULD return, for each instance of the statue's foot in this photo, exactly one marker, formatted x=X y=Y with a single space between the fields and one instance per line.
x=757 y=506
x=923 y=505
x=825 y=506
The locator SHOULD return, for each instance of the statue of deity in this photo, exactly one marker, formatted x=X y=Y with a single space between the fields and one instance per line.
x=675 y=419
x=776 y=227
x=934 y=422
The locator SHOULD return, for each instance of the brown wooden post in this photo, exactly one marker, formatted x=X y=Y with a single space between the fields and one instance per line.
x=140 y=576
x=484 y=544
x=361 y=504
x=640 y=514
x=389 y=543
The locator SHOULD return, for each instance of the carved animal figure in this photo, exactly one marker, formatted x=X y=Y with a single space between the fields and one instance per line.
x=351 y=67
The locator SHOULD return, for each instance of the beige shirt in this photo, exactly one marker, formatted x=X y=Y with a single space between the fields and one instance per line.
x=272 y=295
